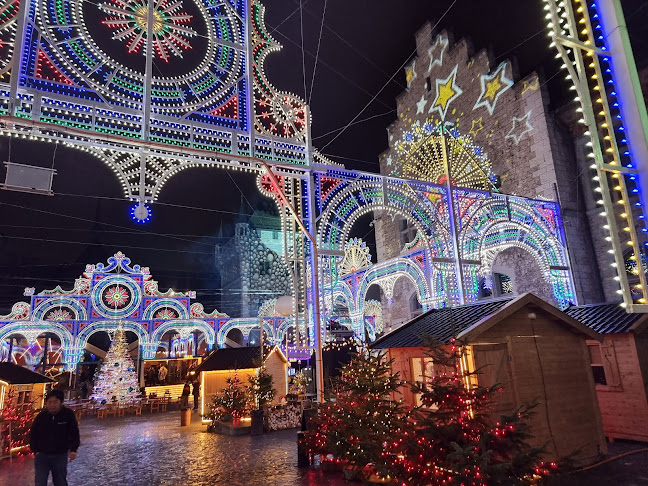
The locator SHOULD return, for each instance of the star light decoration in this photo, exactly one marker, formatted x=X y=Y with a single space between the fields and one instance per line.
x=493 y=85
x=435 y=52
x=521 y=126
x=446 y=92
x=420 y=105
x=129 y=19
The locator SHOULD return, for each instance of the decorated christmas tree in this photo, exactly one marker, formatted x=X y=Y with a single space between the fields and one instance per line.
x=233 y=401
x=116 y=380
x=363 y=418
x=453 y=439
x=260 y=389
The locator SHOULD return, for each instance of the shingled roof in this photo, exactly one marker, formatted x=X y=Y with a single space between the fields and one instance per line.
x=231 y=359
x=606 y=318
x=18 y=375
x=467 y=322
x=442 y=324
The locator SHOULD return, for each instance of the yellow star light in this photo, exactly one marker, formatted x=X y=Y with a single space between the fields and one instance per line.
x=445 y=95
x=447 y=91
x=493 y=85
x=477 y=126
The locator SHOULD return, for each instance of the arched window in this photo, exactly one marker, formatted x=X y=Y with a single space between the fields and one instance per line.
x=416 y=308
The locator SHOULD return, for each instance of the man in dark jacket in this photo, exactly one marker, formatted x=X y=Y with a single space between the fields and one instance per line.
x=54 y=439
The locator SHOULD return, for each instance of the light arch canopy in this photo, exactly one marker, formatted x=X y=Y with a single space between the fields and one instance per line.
x=423 y=204
x=133 y=326
x=386 y=275
x=28 y=329
x=504 y=222
x=184 y=325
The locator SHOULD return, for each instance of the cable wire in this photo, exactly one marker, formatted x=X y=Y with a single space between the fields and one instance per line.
x=319 y=42
x=387 y=83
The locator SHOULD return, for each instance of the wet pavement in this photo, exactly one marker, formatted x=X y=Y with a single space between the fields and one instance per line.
x=153 y=450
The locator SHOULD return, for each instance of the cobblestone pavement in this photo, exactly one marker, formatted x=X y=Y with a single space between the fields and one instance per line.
x=153 y=450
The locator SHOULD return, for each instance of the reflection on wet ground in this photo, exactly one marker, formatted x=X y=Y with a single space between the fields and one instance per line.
x=154 y=450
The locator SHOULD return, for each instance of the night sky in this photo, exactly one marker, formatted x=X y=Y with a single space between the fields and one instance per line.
x=46 y=241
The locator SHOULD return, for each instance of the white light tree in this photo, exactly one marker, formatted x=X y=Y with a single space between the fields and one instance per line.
x=116 y=380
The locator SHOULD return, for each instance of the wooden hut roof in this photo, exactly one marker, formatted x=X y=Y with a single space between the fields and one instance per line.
x=607 y=318
x=443 y=324
x=242 y=358
x=19 y=375
x=246 y=357
x=465 y=322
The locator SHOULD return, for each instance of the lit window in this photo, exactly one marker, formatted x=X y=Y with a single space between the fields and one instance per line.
x=422 y=373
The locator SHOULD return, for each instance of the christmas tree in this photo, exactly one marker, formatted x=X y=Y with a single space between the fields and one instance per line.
x=116 y=380
x=260 y=389
x=454 y=441
x=234 y=401
x=356 y=427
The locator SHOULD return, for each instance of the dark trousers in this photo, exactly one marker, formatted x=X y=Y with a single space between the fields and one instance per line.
x=195 y=402
x=57 y=463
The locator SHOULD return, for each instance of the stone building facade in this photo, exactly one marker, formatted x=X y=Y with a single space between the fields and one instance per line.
x=532 y=152
x=252 y=266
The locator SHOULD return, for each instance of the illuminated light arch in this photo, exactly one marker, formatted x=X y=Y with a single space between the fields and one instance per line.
x=393 y=269
x=42 y=309
x=31 y=330
x=342 y=292
x=245 y=325
x=186 y=325
x=504 y=222
x=281 y=329
x=133 y=326
x=423 y=204
x=159 y=304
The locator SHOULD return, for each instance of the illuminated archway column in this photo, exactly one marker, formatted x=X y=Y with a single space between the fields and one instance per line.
x=628 y=87
x=72 y=355
x=591 y=39
x=358 y=324
x=427 y=305
x=149 y=350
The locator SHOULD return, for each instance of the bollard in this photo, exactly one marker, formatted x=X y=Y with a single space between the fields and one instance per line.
x=307 y=415
x=303 y=460
x=256 y=424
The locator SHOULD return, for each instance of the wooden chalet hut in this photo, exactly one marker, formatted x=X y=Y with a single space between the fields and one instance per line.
x=620 y=368
x=225 y=362
x=20 y=387
x=537 y=353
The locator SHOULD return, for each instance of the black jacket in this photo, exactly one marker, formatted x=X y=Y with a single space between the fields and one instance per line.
x=55 y=434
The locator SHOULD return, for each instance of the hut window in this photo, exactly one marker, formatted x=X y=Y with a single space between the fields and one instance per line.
x=604 y=365
x=596 y=360
x=422 y=372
